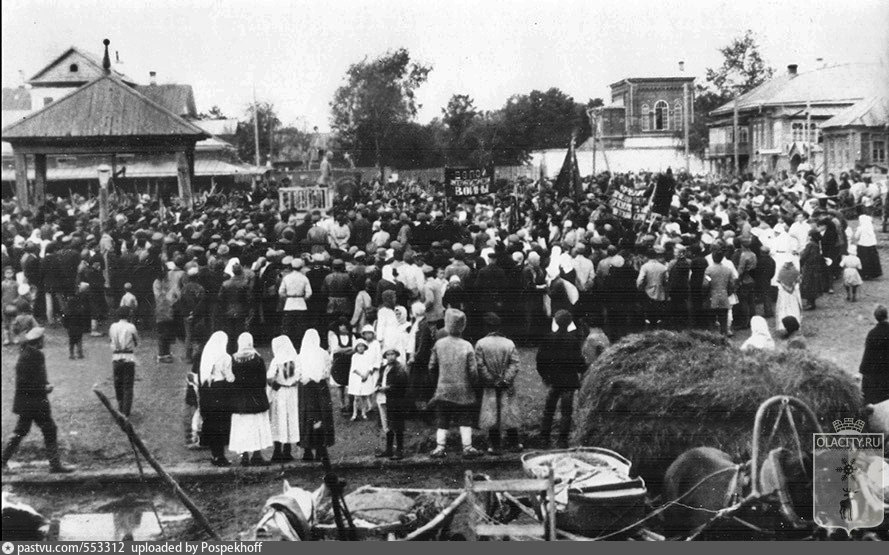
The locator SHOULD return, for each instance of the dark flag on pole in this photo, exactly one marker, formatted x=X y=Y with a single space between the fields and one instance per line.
x=568 y=182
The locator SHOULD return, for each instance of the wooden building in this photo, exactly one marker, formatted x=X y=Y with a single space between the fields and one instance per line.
x=858 y=137
x=779 y=123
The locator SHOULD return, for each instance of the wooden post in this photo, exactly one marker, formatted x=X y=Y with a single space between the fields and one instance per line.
x=185 y=174
x=551 y=507
x=39 y=179
x=686 y=106
x=21 y=181
x=127 y=428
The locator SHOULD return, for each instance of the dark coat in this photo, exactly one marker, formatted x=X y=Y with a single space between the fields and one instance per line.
x=31 y=398
x=423 y=382
x=249 y=396
x=398 y=405
x=560 y=361
x=875 y=364
x=77 y=314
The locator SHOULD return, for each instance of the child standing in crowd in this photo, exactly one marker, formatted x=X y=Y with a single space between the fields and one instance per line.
x=392 y=398
x=10 y=294
x=851 y=266
x=24 y=320
x=362 y=379
x=128 y=300
x=339 y=341
x=77 y=320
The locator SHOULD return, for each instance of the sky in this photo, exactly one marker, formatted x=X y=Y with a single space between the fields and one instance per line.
x=296 y=53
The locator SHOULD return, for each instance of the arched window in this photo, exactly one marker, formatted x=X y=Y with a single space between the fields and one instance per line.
x=646 y=118
x=73 y=68
x=677 y=114
x=661 y=115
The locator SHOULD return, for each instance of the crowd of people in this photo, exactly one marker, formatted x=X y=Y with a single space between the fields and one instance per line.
x=415 y=304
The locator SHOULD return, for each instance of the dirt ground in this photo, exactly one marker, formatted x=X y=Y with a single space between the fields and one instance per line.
x=91 y=439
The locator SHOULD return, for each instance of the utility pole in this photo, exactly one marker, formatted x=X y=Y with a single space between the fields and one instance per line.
x=255 y=125
x=594 y=127
x=735 y=133
x=685 y=120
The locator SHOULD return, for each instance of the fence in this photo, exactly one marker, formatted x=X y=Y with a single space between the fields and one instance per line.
x=305 y=199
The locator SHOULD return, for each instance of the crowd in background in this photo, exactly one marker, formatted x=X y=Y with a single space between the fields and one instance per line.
x=380 y=293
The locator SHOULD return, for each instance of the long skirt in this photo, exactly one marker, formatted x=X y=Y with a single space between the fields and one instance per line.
x=788 y=304
x=315 y=406
x=217 y=417
x=870 y=262
x=285 y=415
x=250 y=432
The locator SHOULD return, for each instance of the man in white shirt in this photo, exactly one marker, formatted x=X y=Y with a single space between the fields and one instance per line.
x=124 y=339
x=295 y=289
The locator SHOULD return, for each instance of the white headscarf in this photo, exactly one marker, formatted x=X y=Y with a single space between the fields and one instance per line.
x=283 y=353
x=216 y=363
x=230 y=265
x=314 y=362
x=760 y=337
x=865 y=232
x=245 y=346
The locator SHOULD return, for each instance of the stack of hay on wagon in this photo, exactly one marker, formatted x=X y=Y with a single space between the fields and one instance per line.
x=652 y=396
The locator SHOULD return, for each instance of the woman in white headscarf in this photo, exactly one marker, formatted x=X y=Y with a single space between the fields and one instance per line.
x=866 y=240
x=315 y=407
x=283 y=377
x=230 y=266
x=251 y=430
x=760 y=337
x=215 y=386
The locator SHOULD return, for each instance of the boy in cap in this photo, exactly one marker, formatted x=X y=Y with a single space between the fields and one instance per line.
x=76 y=320
x=392 y=398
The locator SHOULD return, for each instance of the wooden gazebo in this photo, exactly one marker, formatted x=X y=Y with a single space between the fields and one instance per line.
x=104 y=118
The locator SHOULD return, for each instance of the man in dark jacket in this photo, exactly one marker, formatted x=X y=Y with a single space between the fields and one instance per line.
x=31 y=402
x=766 y=294
x=875 y=362
x=560 y=364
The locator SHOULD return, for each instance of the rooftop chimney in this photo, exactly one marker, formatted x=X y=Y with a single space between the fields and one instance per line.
x=820 y=62
x=152 y=75
x=681 y=67
x=791 y=69
x=106 y=60
x=116 y=57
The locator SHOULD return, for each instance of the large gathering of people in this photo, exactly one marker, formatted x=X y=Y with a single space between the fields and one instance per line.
x=409 y=304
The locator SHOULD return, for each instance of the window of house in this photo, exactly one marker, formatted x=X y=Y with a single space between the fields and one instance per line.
x=73 y=68
x=661 y=115
x=677 y=114
x=878 y=152
x=646 y=122
x=797 y=131
x=743 y=135
x=47 y=100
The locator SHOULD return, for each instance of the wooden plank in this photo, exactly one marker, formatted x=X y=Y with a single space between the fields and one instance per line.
x=495 y=530
x=520 y=485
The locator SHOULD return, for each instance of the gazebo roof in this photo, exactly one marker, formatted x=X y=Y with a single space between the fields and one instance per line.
x=106 y=108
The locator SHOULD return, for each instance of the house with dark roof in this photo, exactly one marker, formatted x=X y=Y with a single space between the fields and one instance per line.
x=779 y=123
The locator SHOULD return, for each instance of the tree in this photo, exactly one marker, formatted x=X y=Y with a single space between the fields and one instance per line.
x=245 y=137
x=457 y=117
x=214 y=113
x=742 y=70
x=376 y=98
x=291 y=143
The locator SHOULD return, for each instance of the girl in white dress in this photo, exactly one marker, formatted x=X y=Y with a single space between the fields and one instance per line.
x=851 y=266
x=283 y=377
x=363 y=378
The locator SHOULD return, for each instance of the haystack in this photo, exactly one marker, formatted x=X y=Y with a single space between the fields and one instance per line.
x=652 y=396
